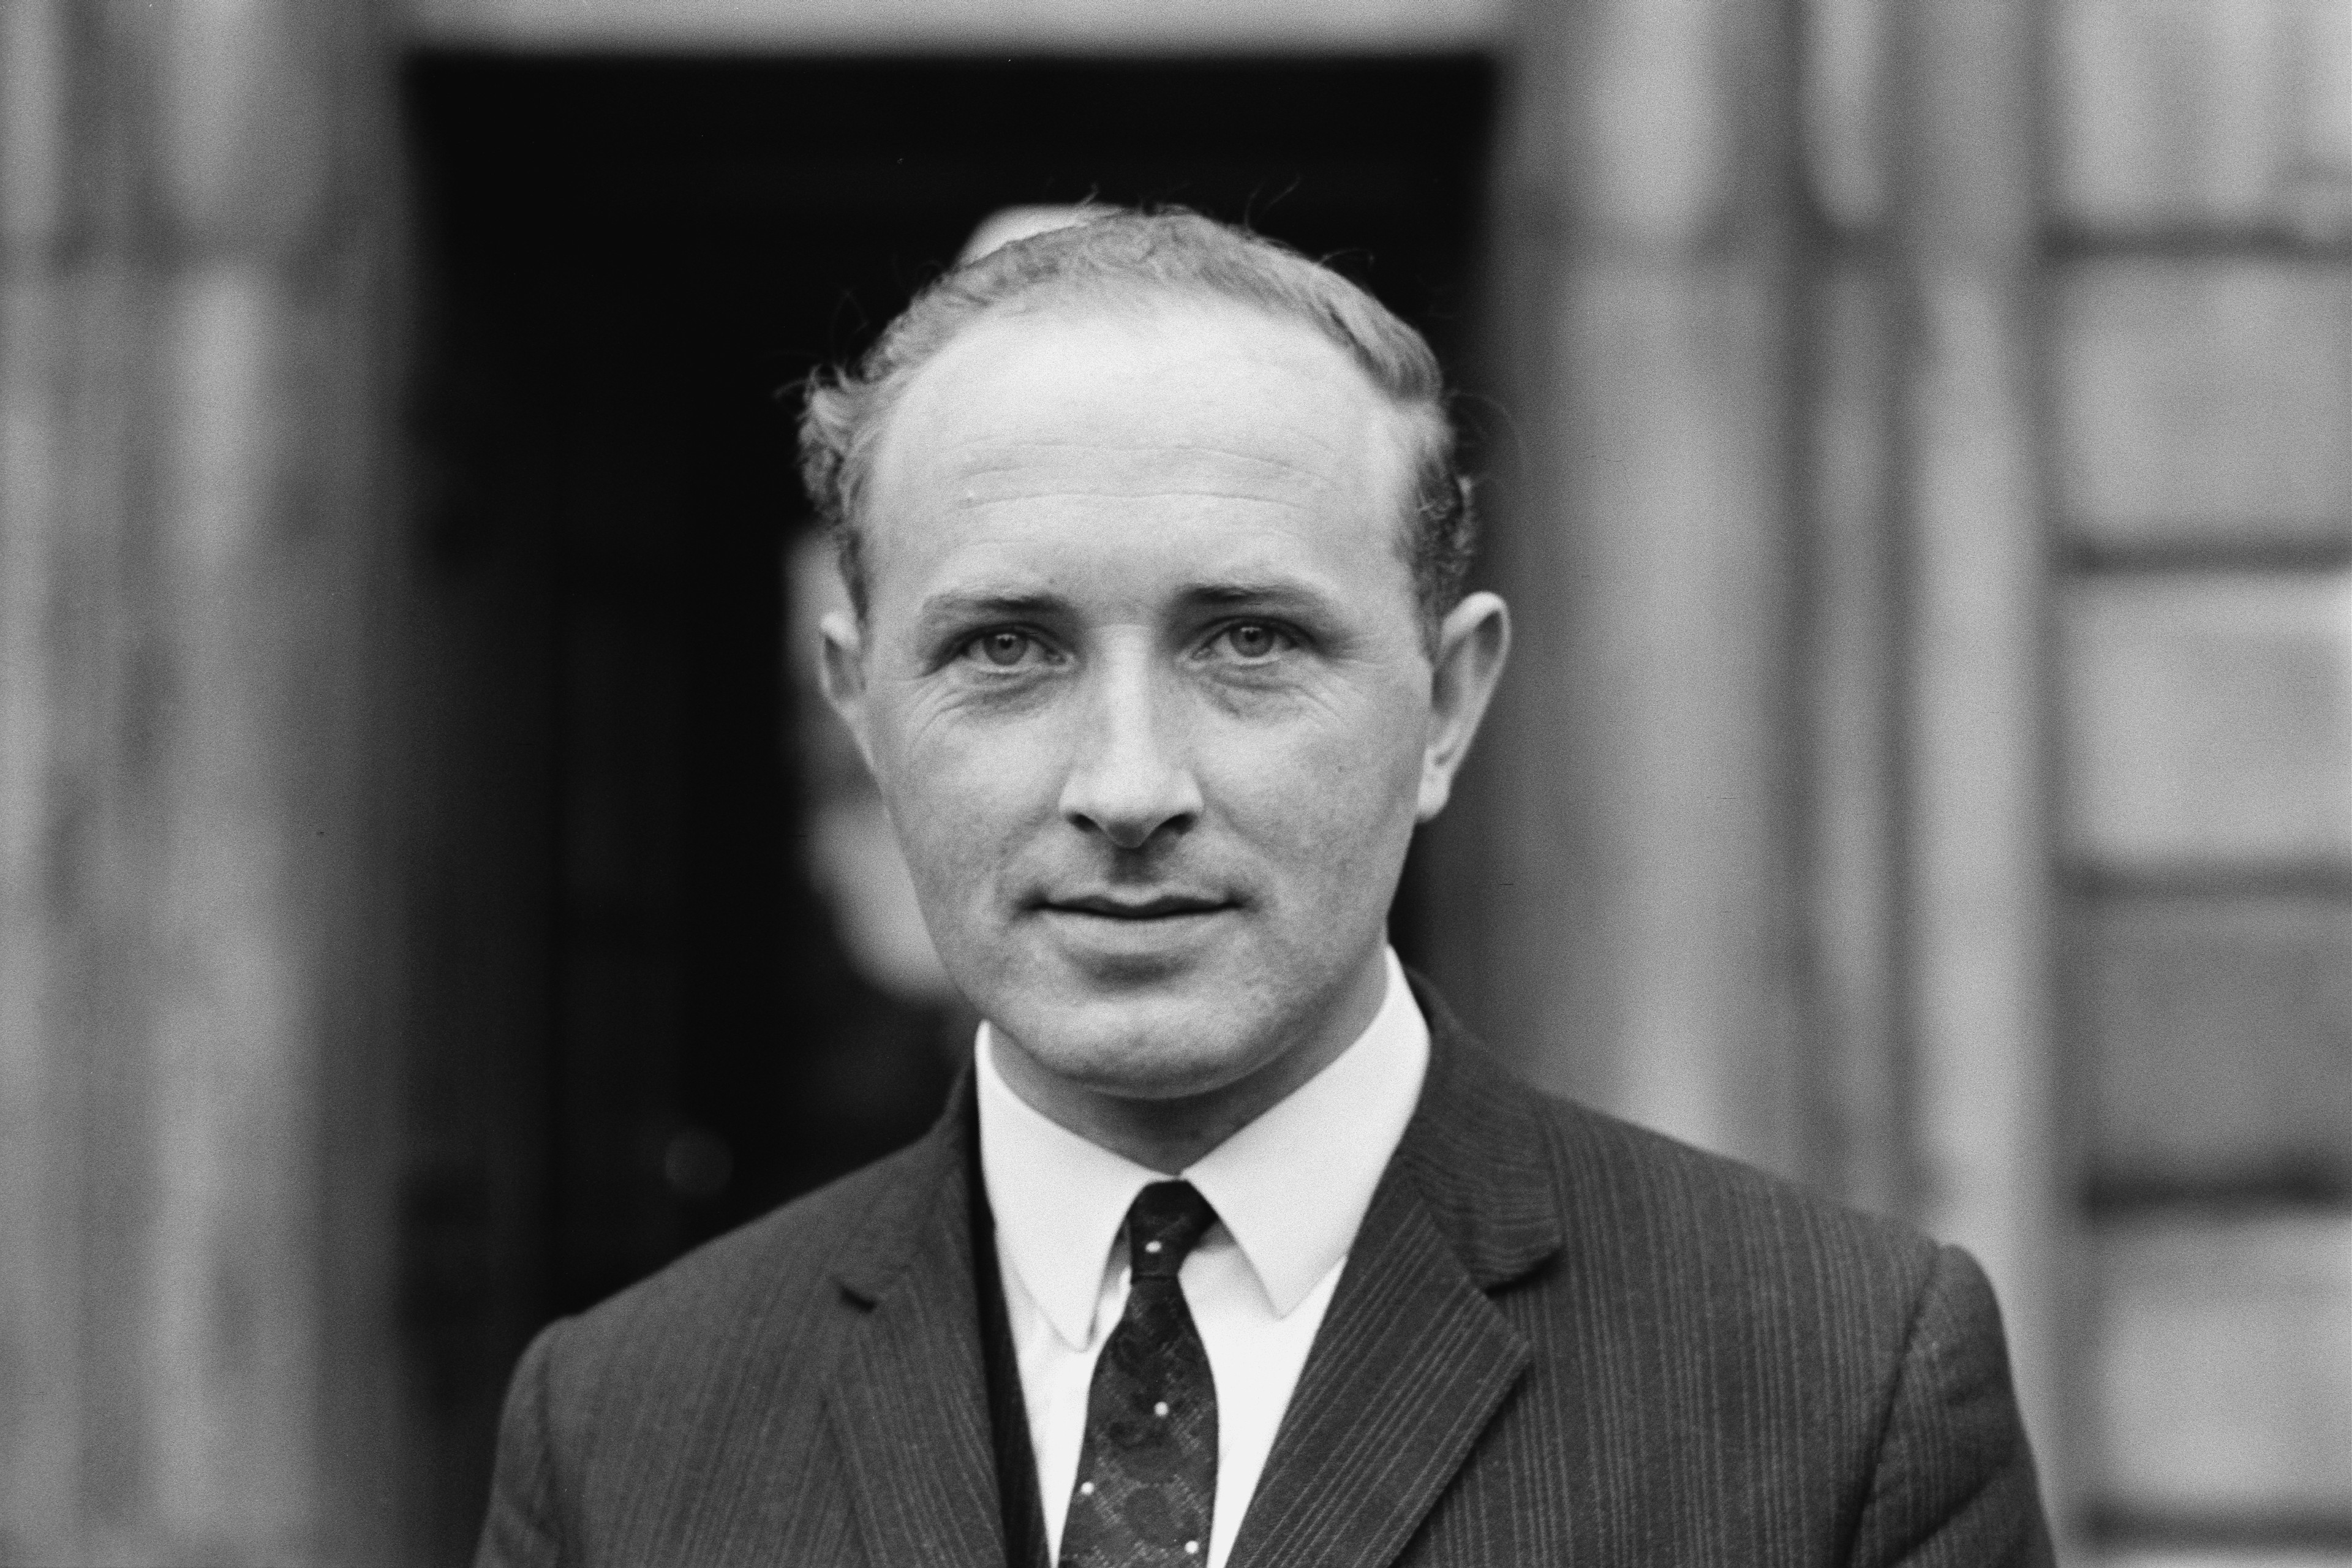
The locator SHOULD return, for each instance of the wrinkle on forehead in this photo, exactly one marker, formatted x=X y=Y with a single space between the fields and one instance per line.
x=1043 y=445
x=1034 y=550
x=1079 y=472
x=982 y=471
x=985 y=455
x=979 y=502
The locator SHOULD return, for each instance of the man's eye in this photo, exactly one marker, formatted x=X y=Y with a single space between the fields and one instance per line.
x=1254 y=640
x=1004 y=650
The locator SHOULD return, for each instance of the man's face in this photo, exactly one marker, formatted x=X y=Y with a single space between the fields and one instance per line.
x=1142 y=683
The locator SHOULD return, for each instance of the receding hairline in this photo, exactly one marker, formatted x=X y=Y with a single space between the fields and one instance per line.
x=1409 y=424
x=1080 y=314
x=1124 y=261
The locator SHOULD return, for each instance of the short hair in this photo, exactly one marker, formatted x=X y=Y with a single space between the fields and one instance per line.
x=1122 y=256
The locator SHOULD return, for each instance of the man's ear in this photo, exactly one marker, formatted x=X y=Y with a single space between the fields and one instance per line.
x=841 y=670
x=1472 y=643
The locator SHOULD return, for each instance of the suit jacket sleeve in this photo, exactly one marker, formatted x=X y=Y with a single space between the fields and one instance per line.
x=520 y=1531
x=1954 y=1483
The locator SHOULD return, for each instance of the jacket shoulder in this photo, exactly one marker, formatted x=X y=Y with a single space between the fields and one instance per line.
x=1788 y=1345
x=778 y=1265
x=746 y=1323
x=682 y=1409
x=1517 y=1173
x=1743 y=1368
x=677 y=1417
x=1673 y=1198
x=1727 y=1302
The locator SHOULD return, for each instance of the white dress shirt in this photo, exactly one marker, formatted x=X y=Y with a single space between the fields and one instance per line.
x=1289 y=1190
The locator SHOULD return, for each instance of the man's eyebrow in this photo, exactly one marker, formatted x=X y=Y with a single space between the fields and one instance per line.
x=1249 y=594
x=986 y=604
x=956 y=608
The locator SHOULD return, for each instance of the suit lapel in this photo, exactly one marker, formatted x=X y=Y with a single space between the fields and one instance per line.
x=1410 y=1365
x=908 y=1403
x=1413 y=1361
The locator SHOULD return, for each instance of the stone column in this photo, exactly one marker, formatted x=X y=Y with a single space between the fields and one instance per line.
x=194 y=1317
x=1967 y=230
x=1626 y=925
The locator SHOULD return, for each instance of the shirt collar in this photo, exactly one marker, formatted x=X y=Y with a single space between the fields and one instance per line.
x=1291 y=1188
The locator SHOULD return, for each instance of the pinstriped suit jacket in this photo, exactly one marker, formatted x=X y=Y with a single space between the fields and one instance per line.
x=1559 y=1339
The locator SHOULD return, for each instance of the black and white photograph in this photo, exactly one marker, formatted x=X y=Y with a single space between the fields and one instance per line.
x=1175 y=784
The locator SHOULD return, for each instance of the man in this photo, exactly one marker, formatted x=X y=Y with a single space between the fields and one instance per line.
x=1232 y=1248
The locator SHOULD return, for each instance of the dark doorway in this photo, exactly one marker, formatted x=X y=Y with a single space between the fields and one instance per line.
x=638 y=1024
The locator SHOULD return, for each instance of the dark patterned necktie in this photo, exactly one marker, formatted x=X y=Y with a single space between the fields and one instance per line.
x=1148 y=1468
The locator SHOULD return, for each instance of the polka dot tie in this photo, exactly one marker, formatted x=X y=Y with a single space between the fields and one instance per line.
x=1148 y=1468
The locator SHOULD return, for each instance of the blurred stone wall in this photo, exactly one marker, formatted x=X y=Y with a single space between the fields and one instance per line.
x=1927 y=769
x=1756 y=851
x=194 y=1345
x=2197 y=357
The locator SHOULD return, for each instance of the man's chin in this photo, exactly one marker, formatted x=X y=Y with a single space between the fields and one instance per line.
x=1146 y=1069
x=1168 y=1042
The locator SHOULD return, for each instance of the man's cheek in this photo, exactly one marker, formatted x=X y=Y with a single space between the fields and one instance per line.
x=1361 y=774
x=948 y=766
x=964 y=817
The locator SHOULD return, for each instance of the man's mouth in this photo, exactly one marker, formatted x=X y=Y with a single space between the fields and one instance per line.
x=1160 y=906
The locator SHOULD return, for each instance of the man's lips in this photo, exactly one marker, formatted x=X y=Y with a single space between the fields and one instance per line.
x=1161 y=906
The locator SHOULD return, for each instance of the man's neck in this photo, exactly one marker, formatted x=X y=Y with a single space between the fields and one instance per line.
x=1170 y=1135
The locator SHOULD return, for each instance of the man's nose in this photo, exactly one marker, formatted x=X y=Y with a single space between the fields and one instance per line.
x=1130 y=775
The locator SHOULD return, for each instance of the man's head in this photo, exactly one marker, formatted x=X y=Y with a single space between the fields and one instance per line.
x=1153 y=660
x=1117 y=260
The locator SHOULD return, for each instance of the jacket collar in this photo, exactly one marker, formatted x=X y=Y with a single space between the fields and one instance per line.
x=1414 y=1360
x=1410 y=1365
x=1478 y=1155
x=908 y=1399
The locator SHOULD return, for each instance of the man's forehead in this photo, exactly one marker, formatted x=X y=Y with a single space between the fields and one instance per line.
x=990 y=469
x=1091 y=367
x=1186 y=393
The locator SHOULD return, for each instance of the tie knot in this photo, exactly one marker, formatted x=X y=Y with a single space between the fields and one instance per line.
x=1166 y=1220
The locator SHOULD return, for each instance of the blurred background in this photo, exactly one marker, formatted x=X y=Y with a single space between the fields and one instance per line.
x=1919 y=453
